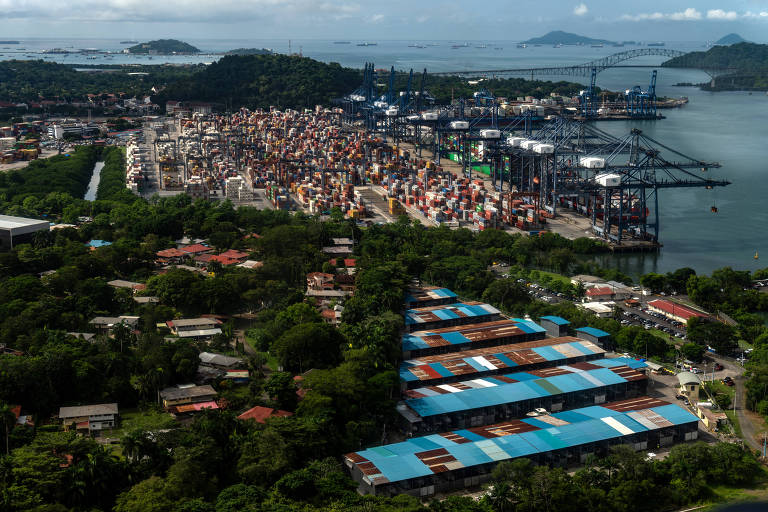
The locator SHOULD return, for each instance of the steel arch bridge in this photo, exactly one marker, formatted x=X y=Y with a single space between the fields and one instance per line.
x=584 y=69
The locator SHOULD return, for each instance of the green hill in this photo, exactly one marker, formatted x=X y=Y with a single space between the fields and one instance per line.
x=265 y=80
x=560 y=37
x=730 y=39
x=163 y=47
x=743 y=56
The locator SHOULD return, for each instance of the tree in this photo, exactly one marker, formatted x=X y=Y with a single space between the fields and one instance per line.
x=8 y=418
x=692 y=352
x=304 y=346
x=282 y=389
x=149 y=495
x=507 y=294
x=655 y=282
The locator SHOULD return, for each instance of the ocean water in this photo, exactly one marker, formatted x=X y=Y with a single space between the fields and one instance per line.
x=727 y=127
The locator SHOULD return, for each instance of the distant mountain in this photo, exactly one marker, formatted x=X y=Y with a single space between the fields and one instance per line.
x=560 y=37
x=163 y=47
x=249 y=51
x=730 y=39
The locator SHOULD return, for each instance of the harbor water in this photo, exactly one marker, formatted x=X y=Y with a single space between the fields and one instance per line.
x=726 y=127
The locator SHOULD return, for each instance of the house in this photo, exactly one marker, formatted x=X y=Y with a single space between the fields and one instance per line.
x=196 y=249
x=235 y=255
x=89 y=418
x=251 y=264
x=599 y=309
x=260 y=414
x=220 y=361
x=128 y=285
x=147 y=300
x=186 y=394
x=171 y=255
x=237 y=376
x=689 y=385
x=103 y=324
x=710 y=418
x=319 y=281
x=194 y=327
x=97 y=244
x=24 y=420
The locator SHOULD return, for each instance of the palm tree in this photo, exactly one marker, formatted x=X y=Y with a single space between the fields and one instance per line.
x=8 y=418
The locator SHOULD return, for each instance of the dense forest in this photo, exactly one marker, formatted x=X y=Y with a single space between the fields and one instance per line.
x=749 y=62
x=34 y=80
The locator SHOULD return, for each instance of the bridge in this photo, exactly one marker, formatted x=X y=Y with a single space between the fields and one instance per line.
x=584 y=69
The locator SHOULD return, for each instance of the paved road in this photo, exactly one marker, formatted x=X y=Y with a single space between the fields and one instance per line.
x=749 y=430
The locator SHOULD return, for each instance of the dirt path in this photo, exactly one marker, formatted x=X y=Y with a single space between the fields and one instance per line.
x=752 y=426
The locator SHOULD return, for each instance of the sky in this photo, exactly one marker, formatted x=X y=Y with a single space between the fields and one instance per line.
x=384 y=19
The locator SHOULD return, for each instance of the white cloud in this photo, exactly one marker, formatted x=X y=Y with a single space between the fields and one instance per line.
x=580 y=10
x=376 y=18
x=719 y=14
x=690 y=14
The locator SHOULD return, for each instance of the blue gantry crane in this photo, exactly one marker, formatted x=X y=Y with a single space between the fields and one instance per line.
x=588 y=98
x=642 y=103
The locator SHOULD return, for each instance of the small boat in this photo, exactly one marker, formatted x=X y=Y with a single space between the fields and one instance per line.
x=597 y=45
x=522 y=45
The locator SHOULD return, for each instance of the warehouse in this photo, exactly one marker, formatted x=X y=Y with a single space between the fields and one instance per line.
x=472 y=336
x=483 y=362
x=475 y=402
x=19 y=230
x=450 y=315
x=674 y=311
x=429 y=296
x=439 y=463
x=555 y=325
x=596 y=336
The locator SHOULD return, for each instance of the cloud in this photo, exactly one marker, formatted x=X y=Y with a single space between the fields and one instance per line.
x=719 y=14
x=580 y=10
x=376 y=18
x=690 y=14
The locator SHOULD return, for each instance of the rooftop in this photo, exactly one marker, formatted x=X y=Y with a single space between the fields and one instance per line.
x=556 y=320
x=219 y=359
x=87 y=410
x=176 y=393
x=593 y=332
x=515 y=387
x=449 y=312
x=496 y=358
x=260 y=414
x=13 y=223
x=192 y=322
x=465 y=334
x=424 y=456
x=416 y=295
x=675 y=309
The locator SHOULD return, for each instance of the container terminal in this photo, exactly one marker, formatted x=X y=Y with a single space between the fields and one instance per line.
x=480 y=163
x=506 y=388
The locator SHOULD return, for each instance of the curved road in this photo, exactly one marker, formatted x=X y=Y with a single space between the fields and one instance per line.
x=749 y=430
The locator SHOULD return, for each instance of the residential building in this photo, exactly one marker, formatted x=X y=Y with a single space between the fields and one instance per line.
x=194 y=327
x=689 y=384
x=220 y=361
x=89 y=418
x=104 y=324
x=260 y=414
x=599 y=309
x=187 y=394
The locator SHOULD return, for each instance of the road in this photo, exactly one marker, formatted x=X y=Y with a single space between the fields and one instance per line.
x=750 y=429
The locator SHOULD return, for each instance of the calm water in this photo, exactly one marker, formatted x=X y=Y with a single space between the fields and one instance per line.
x=730 y=128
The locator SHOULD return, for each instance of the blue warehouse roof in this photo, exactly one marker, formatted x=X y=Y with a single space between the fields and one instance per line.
x=466 y=334
x=556 y=320
x=593 y=332
x=449 y=312
x=423 y=456
x=516 y=387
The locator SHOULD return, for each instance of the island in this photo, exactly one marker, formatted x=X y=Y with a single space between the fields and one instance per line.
x=163 y=47
x=250 y=51
x=730 y=39
x=560 y=37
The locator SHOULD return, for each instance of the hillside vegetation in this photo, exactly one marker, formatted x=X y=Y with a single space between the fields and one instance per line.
x=560 y=37
x=749 y=60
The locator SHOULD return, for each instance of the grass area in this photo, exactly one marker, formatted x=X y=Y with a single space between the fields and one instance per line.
x=144 y=419
x=663 y=335
x=734 y=421
x=555 y=277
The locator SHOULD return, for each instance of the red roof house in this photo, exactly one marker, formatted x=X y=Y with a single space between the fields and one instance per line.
x=260 y=414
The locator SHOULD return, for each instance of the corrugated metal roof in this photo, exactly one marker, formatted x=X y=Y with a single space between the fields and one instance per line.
x=593 y=332
x=514 y=387
x=556 y=320
x=449 y=311
x=422 y=456
x=518 y=355
x=462 y=335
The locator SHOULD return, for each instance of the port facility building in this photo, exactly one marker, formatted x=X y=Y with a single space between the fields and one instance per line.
x=450 y=315
x=483 y=401
x=483 y=362
x=470 y=336
x=674 y=311
x=424 y=466
x=429 y=296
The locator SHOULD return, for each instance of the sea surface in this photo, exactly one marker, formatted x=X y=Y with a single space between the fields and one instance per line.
x=726 y=127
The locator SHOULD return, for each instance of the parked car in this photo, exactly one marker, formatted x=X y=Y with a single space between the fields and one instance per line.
x=718 y=367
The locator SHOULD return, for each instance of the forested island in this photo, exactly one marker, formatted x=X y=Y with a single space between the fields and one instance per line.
x=164 y=47
x=560 y=37
x=748 y=63
x=249 y=51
